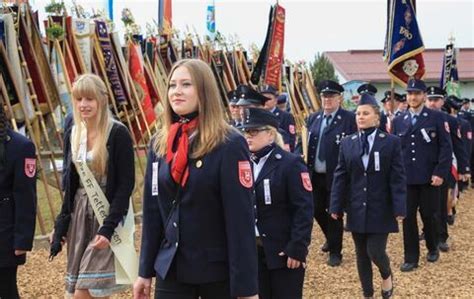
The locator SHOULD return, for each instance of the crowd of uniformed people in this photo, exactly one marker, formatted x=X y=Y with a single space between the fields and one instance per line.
x=228 y=207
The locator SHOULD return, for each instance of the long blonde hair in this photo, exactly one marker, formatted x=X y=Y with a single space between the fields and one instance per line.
x=212 y=128
x=91 y=86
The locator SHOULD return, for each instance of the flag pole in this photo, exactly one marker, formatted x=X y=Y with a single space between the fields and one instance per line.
x=392 y=96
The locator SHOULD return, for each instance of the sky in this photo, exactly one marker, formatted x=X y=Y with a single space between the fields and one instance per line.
x=312 y=26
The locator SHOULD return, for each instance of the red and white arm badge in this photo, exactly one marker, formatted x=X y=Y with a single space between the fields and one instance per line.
x=306 y=181
x=245 y=174
x=30 y=167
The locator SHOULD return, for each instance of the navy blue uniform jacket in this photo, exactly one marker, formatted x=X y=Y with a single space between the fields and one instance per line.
x=466 y=137
x=119 y=185
x=459 y=149
x=426 y=146
x=372 y=198
x=287 y=124
x=466 y=133
x=17 y=199
x=210 y=236
x=341 y=126
x=286 y=220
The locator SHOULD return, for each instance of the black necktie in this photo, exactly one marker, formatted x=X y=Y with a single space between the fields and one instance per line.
x=322 y=147
x=364 y=136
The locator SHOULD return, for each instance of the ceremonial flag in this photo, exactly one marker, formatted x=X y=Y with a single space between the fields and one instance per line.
x=109 y=62
x=449 y=74
x=403 y=43
x=82 y=46
x=262 y=58
x=275 y=52
x=211 y=20
x=10 y=39
x=137 y=73
x=110 y=8
x=165 y=16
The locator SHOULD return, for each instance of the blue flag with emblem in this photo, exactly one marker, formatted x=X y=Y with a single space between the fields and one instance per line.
x=404 y=47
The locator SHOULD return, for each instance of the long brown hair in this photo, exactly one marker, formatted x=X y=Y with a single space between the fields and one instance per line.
x=91 y=86
x=212 y=128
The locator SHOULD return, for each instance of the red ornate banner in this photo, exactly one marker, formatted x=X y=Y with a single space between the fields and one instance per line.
x=275 y=53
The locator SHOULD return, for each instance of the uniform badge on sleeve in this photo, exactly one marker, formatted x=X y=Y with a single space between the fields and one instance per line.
x=446 y=127
x=306 y=181
x=291 y=128
x=30 y=167
x=245 y=174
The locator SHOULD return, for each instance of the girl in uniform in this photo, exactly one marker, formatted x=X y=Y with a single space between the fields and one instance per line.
x=198 y=221
x=370 y=186
x=284 y=204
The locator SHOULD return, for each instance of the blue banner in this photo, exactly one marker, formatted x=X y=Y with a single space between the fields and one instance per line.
x=211 y=21
x=110 y=7
x=403 y=44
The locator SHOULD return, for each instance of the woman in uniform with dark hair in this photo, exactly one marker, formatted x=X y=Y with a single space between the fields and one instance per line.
x=284 y=204
x=198 y=219
x=370 y=186
x=17 y=204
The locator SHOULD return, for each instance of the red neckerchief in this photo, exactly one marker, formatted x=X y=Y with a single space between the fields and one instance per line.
x=179 y=158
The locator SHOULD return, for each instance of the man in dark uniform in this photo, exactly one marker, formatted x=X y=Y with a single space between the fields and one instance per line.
x=427 y=155
x=465 y=133
x=326 y=129
x=287 y=121
x=400 y=105
x=17 y=204
x=467 y=115
x=234 y=109
x=460 y=165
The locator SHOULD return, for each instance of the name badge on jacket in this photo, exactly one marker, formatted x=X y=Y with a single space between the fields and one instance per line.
x=377 y=161
x=266 y=192
x=154 y=179
x=425 y=135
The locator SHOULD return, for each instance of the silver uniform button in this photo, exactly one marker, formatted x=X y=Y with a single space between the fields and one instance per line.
x=175 y=224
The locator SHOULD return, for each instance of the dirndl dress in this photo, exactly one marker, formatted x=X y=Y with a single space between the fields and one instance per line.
x=87 y=267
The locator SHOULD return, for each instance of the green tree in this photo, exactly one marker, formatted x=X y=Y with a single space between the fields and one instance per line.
x=322 y=69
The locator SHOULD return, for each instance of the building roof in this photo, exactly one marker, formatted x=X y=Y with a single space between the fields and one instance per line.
x=368 y=65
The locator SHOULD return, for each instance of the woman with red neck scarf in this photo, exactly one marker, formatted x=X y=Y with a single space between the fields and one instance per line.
x=198 y=219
